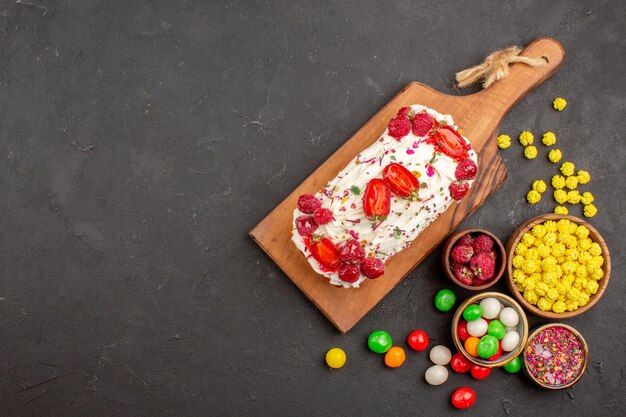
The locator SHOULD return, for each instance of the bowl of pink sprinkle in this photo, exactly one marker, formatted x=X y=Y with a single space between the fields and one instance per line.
x=556 y=356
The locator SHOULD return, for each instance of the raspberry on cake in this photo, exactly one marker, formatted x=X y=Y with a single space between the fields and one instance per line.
x=385 y=197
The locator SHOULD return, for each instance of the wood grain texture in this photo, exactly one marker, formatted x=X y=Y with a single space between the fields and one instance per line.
x=478 y=116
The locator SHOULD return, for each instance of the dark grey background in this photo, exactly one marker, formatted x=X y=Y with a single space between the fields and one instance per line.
x=142 y=140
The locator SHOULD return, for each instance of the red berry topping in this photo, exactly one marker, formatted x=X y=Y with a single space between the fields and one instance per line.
x=307 y=203
x=406 y=112
x=323 y=216
x=461 y=254
x=325 y=253
x=399 y=127
x=483 y=244
x=466 y=170
x=306 y=225
x=349 y=273
x=401 y=181
x=463 y=274
x=377 y=200
x=480 y=372
x=465 y=240
x=458 y=190
x=352 y=251
x=451 y=143
x=459 y=363
x=482 y=266
x=372 y=268
x=422 y=124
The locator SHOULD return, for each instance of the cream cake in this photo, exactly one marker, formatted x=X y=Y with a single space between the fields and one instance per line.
x=385 y=197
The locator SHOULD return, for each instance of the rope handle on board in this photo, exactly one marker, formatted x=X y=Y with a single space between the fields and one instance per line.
x=496 y=67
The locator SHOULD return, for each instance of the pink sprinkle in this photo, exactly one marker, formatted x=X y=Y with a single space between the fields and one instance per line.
x=430 y=171
x=410 y=151
x=342 y=209
x=415 y=144
x=354 y=234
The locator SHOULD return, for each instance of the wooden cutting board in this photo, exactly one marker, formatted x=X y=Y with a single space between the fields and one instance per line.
x=478 y=116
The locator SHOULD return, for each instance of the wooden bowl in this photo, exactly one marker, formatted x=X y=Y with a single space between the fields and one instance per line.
x=500 y=262
x=585 y=360
x=593 y=234
x=522 y=329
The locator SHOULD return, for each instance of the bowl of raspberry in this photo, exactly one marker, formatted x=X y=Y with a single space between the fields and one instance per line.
x=474 y=259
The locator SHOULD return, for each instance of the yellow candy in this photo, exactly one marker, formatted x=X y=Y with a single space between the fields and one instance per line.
x=555 y=155
x=549 y=238
x=558 y=249
x=587 y=198
x=560 y=196
x=559 y=103
x=504 y=141
x=543 y=250
x=539 y=230
x=531 y=296
x=526 y=138
x=539 y=186
x=582 y=231
x=561 y=210
x=571 y=182
x=573 y=197
x=518 y=260
x=550 y=226
x=530 y=152
x=549 y=138
x=520 y=249
x=590 y=210
x=567 y=169
x=584 y=257
x=558 y=182
x=595 y=249
x=552 y=294
x=529 y=266
x=597 y=274
x=544 y=304
x=335 y=358
x=563 y=226
x=533 y=197
x=528 y=239
x=583 y=177
x=585 y=244
x=558 y=307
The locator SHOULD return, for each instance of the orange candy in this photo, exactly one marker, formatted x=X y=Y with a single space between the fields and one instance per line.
x=395 y=357
x=471 y=345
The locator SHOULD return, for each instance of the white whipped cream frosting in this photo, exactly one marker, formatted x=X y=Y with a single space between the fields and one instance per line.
x=407 y=219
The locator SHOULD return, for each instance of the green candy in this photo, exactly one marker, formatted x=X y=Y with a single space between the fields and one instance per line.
x=444 y=300
x=472 y=312
x=487 y=346
x=514 y=366
x=379 y=341
x=496 y=329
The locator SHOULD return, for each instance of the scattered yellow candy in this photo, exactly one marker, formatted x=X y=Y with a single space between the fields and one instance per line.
x=561 y=210
x=530 y=152
x=587 y=198
x=533 y=197
x=583 y=177
x=573 y=197
x=567 y=169
x=504 y=141
x=539 y=186
x=526 y=138
x=560 y=196
x=590 y=210
x=555 y=155
x=548 y=139
x=571 y=182
x=559 y=103
x=335 y=358
x=558 y=182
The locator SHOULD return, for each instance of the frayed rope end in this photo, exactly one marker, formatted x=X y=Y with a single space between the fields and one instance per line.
x=496 y=67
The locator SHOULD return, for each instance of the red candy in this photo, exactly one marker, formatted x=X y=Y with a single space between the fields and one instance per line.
x=463 y=397
x=459 y=363
x=418 y=340
x=480 y=372
x=462 y=332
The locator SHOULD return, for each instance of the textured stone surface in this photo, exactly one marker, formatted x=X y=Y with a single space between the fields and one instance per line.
x=141 y=140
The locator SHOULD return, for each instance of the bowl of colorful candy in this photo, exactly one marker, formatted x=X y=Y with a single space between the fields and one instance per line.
x=558 y=266
x=556 y=356
x=474 y=258
x=490 y=329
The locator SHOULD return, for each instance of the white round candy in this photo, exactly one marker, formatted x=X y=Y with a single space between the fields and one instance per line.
x=510 y=341
x=509 y=317
x=440 y=355
x=491 y=307
x=436 y=375
x=477 y=327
